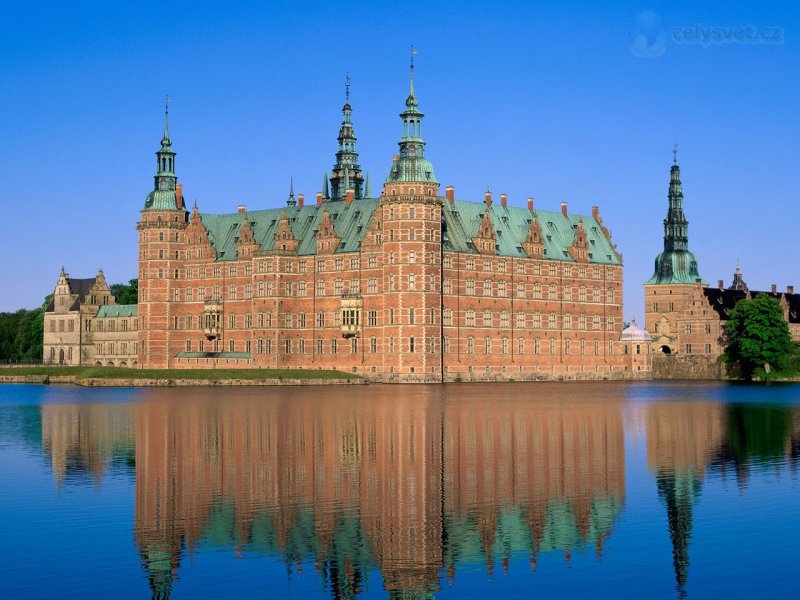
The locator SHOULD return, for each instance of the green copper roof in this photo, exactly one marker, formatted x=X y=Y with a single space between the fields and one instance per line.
x=677 y=266
x=214 y=355
x=462 y=220
x=160 y=200
x=512 y=225
x=350 y=223
x=118 y=310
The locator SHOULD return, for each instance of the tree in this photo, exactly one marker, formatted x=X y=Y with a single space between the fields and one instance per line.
x=126 y=293
x=759 y=338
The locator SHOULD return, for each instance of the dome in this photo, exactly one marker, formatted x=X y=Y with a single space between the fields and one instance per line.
x=634 y=333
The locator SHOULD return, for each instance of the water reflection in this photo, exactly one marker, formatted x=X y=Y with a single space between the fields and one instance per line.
x=685 y=439
x=444 y=479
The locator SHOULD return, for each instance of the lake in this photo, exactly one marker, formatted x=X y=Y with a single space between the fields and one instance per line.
x=656 y=490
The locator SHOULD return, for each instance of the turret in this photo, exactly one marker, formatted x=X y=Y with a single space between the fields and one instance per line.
x=346 y=172
x=676 y=264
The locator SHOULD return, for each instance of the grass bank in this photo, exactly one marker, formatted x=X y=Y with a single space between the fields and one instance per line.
x=98 y=373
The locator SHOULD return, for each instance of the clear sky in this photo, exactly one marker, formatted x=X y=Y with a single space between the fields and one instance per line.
x=551 y=99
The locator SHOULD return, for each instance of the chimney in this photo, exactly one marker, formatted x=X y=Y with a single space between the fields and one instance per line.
x=300 y=199
x=488 y=198
x=720 y=284
x=179 y=196
x=596 y=213
x=241 y=208
x=564 y=208
x=530 y=204
x=504 y=200
x=450 y=194
x=348 y=198
x=319 y=198
x=790 y=289
x=774 y=288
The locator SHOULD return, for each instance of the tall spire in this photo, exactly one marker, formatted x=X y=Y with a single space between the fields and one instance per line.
x=346 y=166
x=367 y=189
x=163 y=195
x=676 y=264
x=411 y=166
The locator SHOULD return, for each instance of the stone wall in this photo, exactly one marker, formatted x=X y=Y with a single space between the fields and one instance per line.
x=690 y=367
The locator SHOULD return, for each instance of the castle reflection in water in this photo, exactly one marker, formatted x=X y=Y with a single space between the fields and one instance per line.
x=417 y=486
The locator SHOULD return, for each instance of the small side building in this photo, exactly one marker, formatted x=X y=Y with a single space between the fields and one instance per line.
x=84 y=325
x=637 y=348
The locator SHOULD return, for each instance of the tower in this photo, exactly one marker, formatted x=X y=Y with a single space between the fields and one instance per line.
x=411 y=214
x=667 y=291
x=161 y=239
x=346 y=172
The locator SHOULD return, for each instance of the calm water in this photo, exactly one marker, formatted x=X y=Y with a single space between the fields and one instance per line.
x=515 y=490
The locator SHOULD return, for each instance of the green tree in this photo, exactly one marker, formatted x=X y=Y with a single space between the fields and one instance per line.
x=759 y=339
x=126 y=293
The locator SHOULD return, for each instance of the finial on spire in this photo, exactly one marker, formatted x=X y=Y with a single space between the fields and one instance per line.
x=367 y=190
x=347 y=87
x=675 y=154
x=291 y=187
x=413 y=54
x=167 y=101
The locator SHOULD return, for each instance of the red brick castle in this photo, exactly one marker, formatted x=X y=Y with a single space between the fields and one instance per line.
x=407 y=286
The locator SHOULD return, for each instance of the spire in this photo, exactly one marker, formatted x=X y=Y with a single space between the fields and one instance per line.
x=412 y=99
x=163 y=195
x=325 y=185
x=411 y=165
x=290 y=201
x=738 y=280
x=346 y=166
x=367 y=190
x=676 y=264
x=165 y=140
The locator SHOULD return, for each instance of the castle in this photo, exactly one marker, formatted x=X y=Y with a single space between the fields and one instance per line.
x=685 y=315
x=407 y=286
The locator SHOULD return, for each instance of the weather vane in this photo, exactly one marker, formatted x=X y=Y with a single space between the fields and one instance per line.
x=675 y=154
x=347 y=87
x=167 y=102
x=413 y=53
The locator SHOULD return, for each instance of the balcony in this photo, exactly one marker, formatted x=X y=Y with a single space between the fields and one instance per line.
x=351 y=311
x=211 y=319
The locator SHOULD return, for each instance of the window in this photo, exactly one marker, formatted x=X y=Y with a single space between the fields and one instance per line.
x=301 y=319
x=232 y=345
x=469 y=318
x=688 y=348
x=610 y=324
x=372 y=318
x=391 y=282
x=470 y=345
x=412 y=285
x=688 y=328
x=412 y=257
x=372 y=262
x=447 y=317
x=568 y=321
x=552 y=321
x=504 y=320
x=338 y=287
x=582 y=322
x=411 y=316
x=567 y=346
x=504 y=345
x=708 y=327
x=487 y=345
x=339 y=264
x=520 y=289
x=411 y=344
x=287 y=346
x=372 y=285
x=248 y=291
x=231 y=321
x=520 y=346
x=487 y=287
x=610 y=295
x=470 y=286
x=446 y=345
x=373 y=345
x=582 y=293
x=501 y=289
x=447 y=286
x=595 y=294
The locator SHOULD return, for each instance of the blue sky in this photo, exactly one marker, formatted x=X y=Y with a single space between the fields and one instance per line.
x=556 y=100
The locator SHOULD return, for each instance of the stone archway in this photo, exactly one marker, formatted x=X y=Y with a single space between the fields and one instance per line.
x=665 y=349
x=61 y=356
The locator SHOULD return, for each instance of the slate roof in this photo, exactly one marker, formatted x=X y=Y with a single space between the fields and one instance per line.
x=462 y=220
x=81 y=287
x=723 y=301
x=118 y=310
